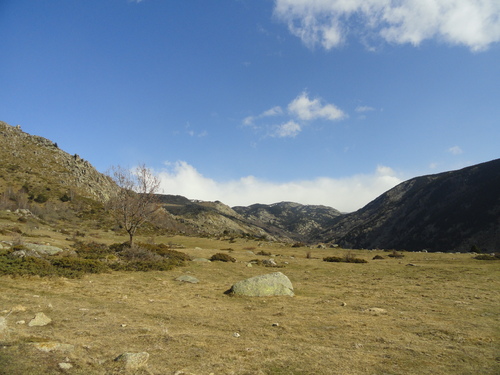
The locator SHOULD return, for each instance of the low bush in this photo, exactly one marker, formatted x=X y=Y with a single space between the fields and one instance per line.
x=80 y=266
x=495 y=256
x=264 y=253
x=346 y=259
x=221 y=257
x=145 y=265
x=395 y=254
x=92 y=250
x=378 y=257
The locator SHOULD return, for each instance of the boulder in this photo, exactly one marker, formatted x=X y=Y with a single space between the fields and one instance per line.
x=272 y=284
x=43 y=249
x=39 y=320
x=133 y=360
x=188 y=279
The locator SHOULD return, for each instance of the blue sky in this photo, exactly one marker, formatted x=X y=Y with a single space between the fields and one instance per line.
x=258 y=101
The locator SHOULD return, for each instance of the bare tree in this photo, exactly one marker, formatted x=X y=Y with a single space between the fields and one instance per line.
x=136 y=200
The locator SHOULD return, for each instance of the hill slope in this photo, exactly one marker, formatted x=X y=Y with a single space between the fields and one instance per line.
x=38 y=166
x=443 y=212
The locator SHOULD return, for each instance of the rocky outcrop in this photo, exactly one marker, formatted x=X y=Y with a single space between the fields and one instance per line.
x=37 y=161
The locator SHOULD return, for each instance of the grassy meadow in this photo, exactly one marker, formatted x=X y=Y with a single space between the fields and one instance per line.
x=439 y=315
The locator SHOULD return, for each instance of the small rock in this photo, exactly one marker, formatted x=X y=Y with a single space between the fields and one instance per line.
x=201 y=260
x=18 y=308
x=188 y=279
x=133 y=360
x=249 y=265
x=65 y=366
x=343 y=304
x=39 y=320
x=411 y=265
x=236 y=334
x=276 y=324
x=377 y=310
x=21 y=322
x=52 y=346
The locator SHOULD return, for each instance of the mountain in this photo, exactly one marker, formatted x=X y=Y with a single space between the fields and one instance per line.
x=450 y=211
x=300 y=222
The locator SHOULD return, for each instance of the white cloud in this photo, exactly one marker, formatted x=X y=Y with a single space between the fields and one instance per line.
x=345 y=194
x=473 y=23
x=307 y=109
x=289 y=129
x=365 y=108
x=455 y=150
x=274 y=111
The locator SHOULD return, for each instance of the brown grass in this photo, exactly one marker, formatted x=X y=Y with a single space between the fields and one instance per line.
x=441 y=316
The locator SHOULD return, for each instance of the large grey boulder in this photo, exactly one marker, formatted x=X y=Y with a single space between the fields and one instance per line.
x=43 y=249
x=272 y=284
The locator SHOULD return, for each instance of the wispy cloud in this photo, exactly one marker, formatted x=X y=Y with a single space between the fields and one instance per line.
x=362 y=109
x=345 y=194
x=300 y=111
x=289 y=129
x=473 y=23
x=455 y=150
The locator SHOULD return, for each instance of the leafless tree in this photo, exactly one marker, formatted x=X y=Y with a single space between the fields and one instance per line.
x=136 y=201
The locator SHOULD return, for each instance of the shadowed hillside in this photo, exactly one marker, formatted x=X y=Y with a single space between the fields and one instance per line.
x=450 y=211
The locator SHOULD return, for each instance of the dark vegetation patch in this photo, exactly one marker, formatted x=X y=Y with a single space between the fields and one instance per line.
x=92 y=257
x=221 y=257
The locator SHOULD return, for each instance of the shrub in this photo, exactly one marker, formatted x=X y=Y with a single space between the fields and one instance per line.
x=145 y=265
x=264 y=253
x=165 y=251
x=221 y=257
x=395 y=254
x=80 y=266
x=298 y=244
x=378 y=257
x=494 y=256
x=344 y=259
x=92 y=250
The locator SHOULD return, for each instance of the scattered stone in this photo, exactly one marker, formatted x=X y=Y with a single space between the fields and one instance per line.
x=188 y=279
x=272 y=284
x=52 y=346
x=276 y=324
x=411 y=265
x=133 y=360
x=236 y=334
x=343 y=304
x=39 y=320
x=198 y=248
x=249 y=265
x=18 y=308
x=24 y=254
x=21 y=322
x=201 y=260
x=65 y=366
x=180 y=372
x=377 y=310
x=269 y=262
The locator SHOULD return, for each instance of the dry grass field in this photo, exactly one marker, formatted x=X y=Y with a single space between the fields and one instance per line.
x=440 y=316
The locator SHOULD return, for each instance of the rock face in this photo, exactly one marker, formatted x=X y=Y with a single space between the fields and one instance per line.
x=450 y=211
x=273 y=284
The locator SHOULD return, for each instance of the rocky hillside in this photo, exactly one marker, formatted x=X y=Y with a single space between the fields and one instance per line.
x=38 y=166
x=301 y=222
x=215 y=219
x=450 y=211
